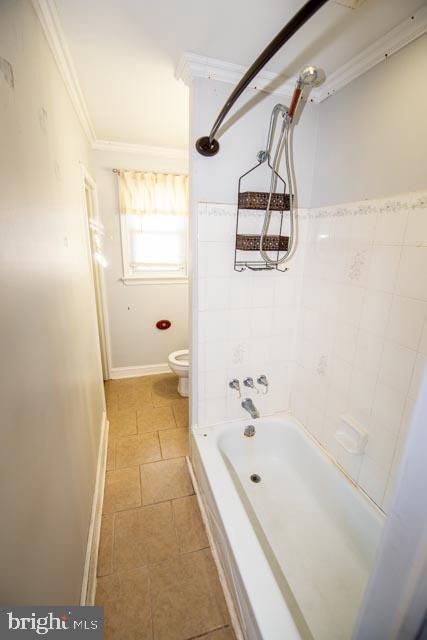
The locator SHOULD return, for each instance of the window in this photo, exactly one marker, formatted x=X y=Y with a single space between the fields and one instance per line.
x=154 y=246
x=154 y=227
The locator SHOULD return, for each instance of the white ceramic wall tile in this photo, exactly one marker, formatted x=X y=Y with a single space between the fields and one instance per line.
x=391 y=227
x=284 y=321
x=214 y=293
x=373 y=479
x=215 y=355
x=358 y=263
x=308 y=324
x=215 y=384
x=239 y=324
x=339 y=380
x=344 y=330
x=286 y=290
x=376 y=312
x=369 y=349
x=217 y=259
x=389 y=493
x=387 y=410
x=240 y=291
x=423 y=341
x=330 y=296
x=397 y=366
x=345 y=342
x=403 y=432
x=383 y=267
x=214 y=411
x=216 y=223
x=260 y=352
x=361 y=396
x=380 y=448
x=350 y=304
x=419 y=368
x=362 y=223
x=316 y=417
x=214 y=325
x=350 y=463
x=416 y=229
x=238 y=354
x=261 y=321
x=263 y=287
x=412 y=275
x=406 y=321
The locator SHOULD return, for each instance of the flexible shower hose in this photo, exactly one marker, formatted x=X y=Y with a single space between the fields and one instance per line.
x=286 y=134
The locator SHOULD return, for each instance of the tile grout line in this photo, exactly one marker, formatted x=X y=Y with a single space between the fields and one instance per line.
x=205 y=635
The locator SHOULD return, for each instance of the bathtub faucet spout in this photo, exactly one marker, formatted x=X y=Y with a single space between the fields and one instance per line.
x=249 y=406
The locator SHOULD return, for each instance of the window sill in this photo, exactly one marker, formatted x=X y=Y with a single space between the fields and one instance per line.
x=132 y=281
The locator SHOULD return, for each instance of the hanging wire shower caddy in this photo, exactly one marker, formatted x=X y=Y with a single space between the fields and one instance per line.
x=258 y=201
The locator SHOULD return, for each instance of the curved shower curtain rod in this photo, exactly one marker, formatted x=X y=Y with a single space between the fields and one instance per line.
x=208 y=145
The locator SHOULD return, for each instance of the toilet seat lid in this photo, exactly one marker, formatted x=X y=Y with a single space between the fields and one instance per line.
x=180 y=357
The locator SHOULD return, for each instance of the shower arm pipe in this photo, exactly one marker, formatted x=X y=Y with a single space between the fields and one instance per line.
x=208 y=145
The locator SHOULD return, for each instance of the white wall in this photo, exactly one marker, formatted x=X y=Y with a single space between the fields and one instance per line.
x=134 y=310
x=372 y=134
x=51 y=392
x=215 y=179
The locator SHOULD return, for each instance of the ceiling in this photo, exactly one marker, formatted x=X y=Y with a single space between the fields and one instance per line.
x=125 y=52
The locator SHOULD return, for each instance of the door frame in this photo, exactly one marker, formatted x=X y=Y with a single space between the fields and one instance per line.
x=100 y=297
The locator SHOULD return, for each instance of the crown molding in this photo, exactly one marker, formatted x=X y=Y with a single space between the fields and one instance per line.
x=48 y=15
x=406 y=32
x=140 y=149
x=192 y=66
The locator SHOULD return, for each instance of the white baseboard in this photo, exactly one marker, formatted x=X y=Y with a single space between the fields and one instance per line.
x=134 y=372
x=89 y=576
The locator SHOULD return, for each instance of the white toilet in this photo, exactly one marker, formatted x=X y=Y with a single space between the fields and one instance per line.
x=179 y=363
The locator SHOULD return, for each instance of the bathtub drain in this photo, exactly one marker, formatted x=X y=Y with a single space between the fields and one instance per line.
x=255 y=477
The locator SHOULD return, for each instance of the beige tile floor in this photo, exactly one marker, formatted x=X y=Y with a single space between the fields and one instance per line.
x=156 y=576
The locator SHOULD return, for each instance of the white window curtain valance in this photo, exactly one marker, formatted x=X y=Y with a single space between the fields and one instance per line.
x=153 y=193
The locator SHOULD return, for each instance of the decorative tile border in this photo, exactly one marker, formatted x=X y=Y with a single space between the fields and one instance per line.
x=398 y=203
x=383 y=206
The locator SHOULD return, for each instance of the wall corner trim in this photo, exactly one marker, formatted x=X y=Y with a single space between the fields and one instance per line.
x=47 y=13
x=135 y=372
x=140 y=149
x=191 y=65
x=87 y=597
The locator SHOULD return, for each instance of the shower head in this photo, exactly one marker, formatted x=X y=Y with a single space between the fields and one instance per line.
x=309 y=77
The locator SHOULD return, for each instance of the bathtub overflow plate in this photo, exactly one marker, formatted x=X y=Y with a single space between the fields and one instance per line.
x=255 y=477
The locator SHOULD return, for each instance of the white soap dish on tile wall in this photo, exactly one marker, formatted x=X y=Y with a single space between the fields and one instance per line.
x=351 y=436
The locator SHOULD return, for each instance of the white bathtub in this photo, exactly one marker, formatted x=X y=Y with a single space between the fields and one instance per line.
x=296 y=548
